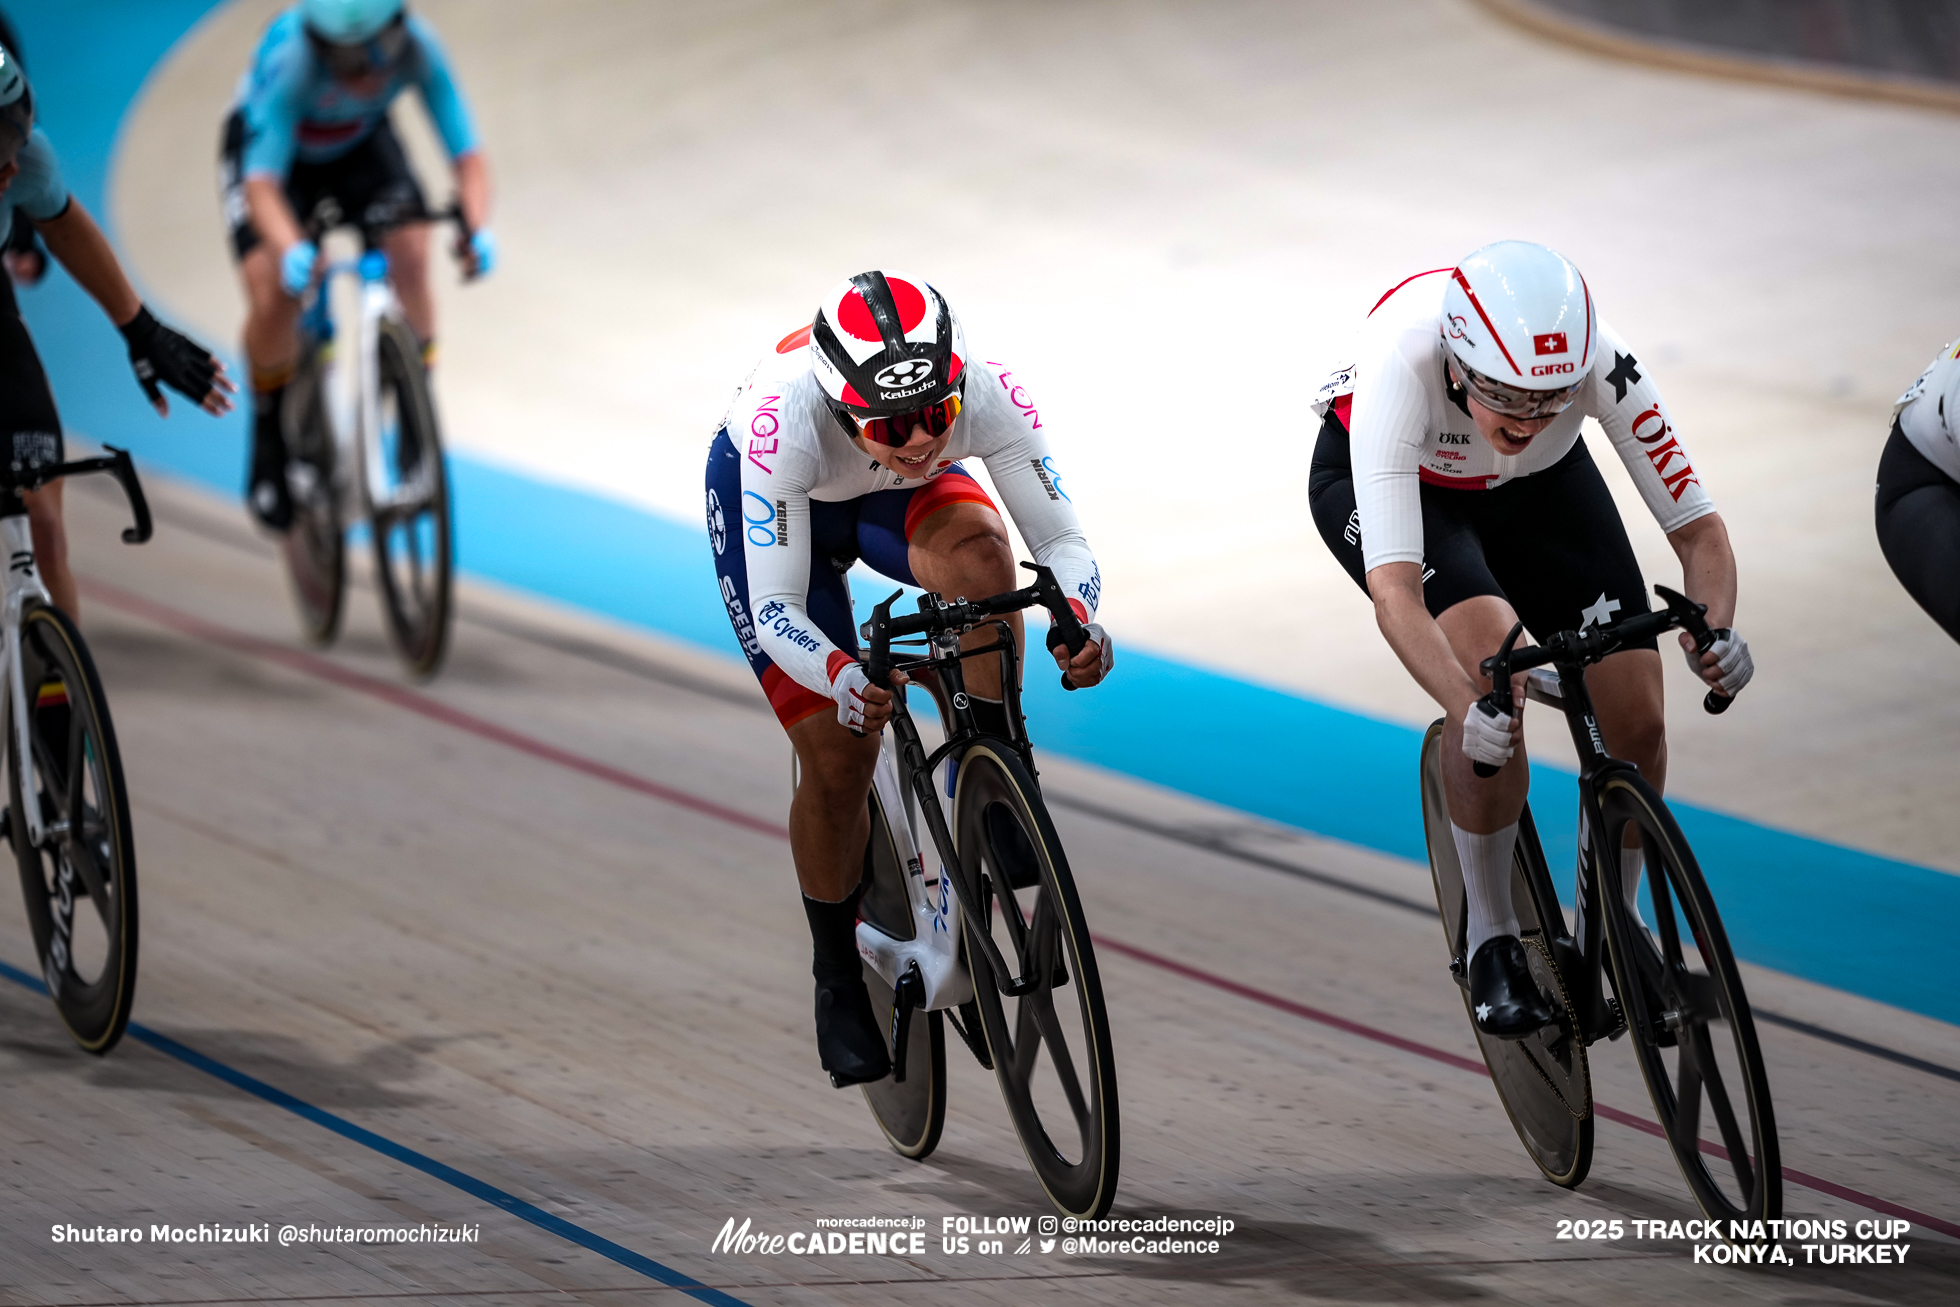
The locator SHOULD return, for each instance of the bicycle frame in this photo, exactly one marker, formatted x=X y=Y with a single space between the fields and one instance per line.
x=360 y=469
x=1580 y=954
x=905 y=772
x=22 y=583
x=933 y=952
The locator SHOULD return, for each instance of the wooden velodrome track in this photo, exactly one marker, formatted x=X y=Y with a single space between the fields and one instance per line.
x=534 y=924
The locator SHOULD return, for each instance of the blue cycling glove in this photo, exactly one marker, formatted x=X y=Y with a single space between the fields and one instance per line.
x=483 y=249
x=296 y=267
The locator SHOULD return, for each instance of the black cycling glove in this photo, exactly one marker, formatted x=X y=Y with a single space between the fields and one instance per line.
x=159 y=354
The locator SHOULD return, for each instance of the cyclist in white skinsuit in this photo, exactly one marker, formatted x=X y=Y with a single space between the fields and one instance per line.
x=844 y=444
x=1452 y=484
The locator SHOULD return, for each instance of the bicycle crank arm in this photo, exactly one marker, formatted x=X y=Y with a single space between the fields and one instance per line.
x=907 y=997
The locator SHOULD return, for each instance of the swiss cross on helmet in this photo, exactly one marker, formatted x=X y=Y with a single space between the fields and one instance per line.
x=886 y=343
x=1519 y=317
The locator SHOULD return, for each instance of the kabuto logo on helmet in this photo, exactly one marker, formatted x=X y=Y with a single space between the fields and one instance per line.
x=903 y=376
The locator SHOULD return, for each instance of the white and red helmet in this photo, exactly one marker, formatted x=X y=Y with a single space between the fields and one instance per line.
x=885 y=343
x=1519 y=314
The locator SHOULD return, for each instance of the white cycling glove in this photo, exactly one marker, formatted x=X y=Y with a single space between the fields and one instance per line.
x=847 y=686
x=1096 y=634
x=1486 y=736
x=1732 y=660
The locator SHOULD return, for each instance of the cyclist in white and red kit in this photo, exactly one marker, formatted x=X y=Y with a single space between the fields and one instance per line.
x=845 y=444
x=1451 y=482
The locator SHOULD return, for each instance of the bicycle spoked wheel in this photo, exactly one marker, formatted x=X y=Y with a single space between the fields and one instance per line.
x=912 y=1111
x=315 y=545
x=80 y=883
x=1051 y=1051
x=1542 y=1080
x=409 y=513
x=1692 y=1030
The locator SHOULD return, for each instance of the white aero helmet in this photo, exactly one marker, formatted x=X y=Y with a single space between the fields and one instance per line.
x=1520 y=325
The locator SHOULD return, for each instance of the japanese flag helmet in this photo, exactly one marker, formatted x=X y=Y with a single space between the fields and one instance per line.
x=1518 y=320
x=885 y=343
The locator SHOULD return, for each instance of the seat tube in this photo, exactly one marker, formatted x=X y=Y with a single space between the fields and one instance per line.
x=22 y=582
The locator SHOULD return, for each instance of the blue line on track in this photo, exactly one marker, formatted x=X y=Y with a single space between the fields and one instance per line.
x=449 y=1175
x=1875 y=926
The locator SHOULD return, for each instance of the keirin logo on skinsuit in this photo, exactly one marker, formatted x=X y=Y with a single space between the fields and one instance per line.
x=903 y=376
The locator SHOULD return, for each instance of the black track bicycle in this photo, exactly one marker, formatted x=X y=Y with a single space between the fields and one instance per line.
x=1675 y=988
x=67 y=812
x=993 y=940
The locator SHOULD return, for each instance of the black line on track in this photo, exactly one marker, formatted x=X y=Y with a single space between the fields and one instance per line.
x=648 y=669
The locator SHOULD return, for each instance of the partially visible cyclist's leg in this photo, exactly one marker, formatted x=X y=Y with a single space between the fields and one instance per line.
x=51 y=547
x=407 y=248
x=829 y=821
x=30 y=436
x=1484 y=811
x=962 y=549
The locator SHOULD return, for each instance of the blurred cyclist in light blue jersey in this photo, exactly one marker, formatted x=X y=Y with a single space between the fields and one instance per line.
x=310 y=122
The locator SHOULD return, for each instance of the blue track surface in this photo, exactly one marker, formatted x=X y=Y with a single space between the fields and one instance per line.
x=1871 y=925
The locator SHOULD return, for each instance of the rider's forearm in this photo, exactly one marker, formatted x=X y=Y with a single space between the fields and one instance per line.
x=79 y=245
x=271 y=215
x=1416 y=638
x=1707 y=566
x=473 y=188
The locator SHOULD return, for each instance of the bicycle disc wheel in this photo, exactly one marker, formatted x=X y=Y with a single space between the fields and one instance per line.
x=315 y=545
x=80 y=883
x=912 y=1111
x=409 y=513
x=1681 y=991
x=1543 y=1080
x=1051 y=1052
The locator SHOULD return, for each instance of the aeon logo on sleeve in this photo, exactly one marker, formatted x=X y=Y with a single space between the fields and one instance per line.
x=903 y=376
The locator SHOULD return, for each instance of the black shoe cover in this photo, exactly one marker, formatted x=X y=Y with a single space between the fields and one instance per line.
x=268 y=495
x=848 y=1038
x=1507 y=1002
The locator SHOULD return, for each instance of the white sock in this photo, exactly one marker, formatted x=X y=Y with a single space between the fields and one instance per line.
x=1630 y=880
x=1486 y=862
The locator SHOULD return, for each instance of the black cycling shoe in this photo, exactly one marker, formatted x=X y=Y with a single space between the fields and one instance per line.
x=1505 y=998
x=268 y=495
x=848 y=1038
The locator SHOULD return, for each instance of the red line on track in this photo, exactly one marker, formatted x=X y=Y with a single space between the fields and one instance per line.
x=436 y=711
x=420 y=704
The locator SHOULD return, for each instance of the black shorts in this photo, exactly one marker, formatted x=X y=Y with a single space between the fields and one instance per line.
x=1919 y=529
x=30 y=428
x=372 y=183
x=1550 y=544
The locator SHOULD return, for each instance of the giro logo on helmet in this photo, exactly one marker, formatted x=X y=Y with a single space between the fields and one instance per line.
x=1551 y=369
x=905 y=375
